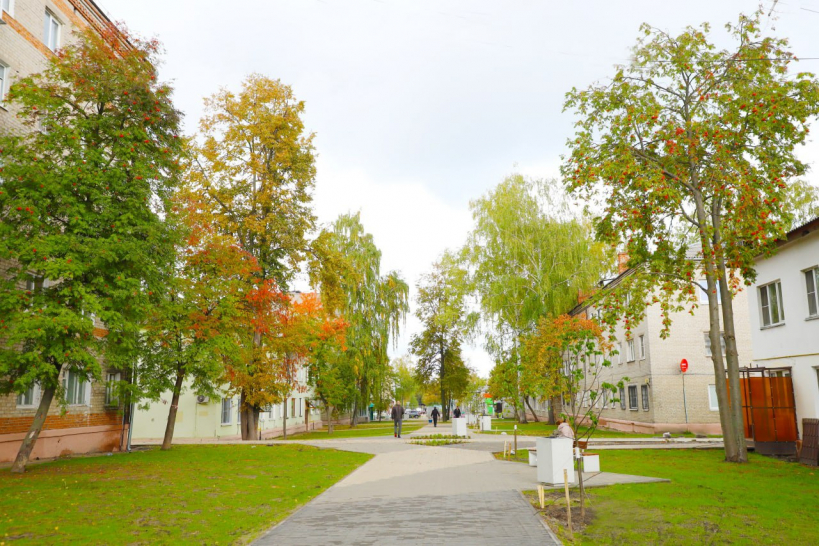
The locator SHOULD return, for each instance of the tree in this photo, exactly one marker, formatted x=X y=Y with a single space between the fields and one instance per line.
x=405 y=385
x=82 y=204
x=256 y=170
x=529 y=255
x=442 y=310
x=189 y=329
x=688 y=151
x=802 y=201
x=580 y=346
x=374 y=305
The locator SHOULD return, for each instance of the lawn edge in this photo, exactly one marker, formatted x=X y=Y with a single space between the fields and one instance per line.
x=540 y=518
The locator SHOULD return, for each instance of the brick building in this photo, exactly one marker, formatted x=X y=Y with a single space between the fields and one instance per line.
x=30 y=32
x=652 y=398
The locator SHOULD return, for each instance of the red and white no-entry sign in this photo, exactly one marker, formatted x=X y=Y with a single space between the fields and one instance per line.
x=683 y=365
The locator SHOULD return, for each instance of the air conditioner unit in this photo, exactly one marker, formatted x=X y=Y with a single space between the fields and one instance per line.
x=202 y=399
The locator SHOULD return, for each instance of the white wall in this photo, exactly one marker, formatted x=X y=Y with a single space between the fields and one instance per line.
x=796 y=342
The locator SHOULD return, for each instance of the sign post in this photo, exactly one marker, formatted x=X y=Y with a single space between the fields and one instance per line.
x=683 y=369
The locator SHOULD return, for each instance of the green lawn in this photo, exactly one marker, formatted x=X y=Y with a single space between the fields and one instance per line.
x=191 y=494
x=363 y=430
x=707 y=502
x=543 y=429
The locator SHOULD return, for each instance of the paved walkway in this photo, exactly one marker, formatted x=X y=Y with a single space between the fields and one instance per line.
x=410 y=494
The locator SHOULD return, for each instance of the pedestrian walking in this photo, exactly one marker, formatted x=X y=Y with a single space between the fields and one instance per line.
x=457 y=412
x=435 y=415
x=397 y=415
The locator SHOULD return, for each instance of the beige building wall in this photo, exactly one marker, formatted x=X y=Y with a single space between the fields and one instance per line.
x=658 y=371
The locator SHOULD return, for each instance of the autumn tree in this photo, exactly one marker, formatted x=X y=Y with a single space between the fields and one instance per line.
x=802 y=202
x=442 y=310
x=83 y=196
x=529 y=256
x=405 y=386
x=255 y=168
x=374 y=306
x=190 y=326
x=688 y=151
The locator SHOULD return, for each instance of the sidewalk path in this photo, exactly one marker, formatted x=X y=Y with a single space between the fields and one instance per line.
x=410 y=494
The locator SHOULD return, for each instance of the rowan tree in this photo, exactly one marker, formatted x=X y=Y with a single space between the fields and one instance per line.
x=688 y=152
x=83 y=199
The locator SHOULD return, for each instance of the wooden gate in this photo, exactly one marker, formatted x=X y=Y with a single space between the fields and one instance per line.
x=769 y=409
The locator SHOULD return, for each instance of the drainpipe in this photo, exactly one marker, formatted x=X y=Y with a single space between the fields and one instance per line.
x=131 y=412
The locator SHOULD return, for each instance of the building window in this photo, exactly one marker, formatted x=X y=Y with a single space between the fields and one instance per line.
x=632 y=397
x=644 y=393
x=4 y=81
x=812 y=283
x=707 y=338
x=76 y=389
x=227 y=414
x=622 y=398
x=7 y=6
x=51 y=32
x=111 y=395
x=770 y=304
x=30 y=398
x=301 y=407
x=630 y=345
x=642 y=347
x=704 y=292
x=713 y=403
x=292 y=407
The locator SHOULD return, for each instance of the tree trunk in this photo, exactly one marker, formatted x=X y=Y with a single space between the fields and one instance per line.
x=354 y=416
x=284 y=420
x=169 y=426
x=555 y=408
x=725 y=417
x=441 y=376
x=523 y=419
x=34 y=430
x=244 y=416
x=329 y=419
x=582 y=488
x=732 y=357
x=534 y=415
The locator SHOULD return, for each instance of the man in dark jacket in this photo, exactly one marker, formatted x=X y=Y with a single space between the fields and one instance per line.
x=457 y=412
x=435 y=415
x=397 y=415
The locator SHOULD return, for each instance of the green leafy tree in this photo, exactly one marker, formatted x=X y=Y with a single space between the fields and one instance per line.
x=405 y=385
x=82 y=203
x=802 y=201
x=688 y=152
x=442 y=310
x=374 y=306
x=529 y=256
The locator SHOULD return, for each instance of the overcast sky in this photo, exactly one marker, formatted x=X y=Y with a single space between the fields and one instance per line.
x=421 y=105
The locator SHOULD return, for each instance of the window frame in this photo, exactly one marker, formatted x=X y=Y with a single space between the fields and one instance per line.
x=10 y=10
x=703 y=292
x=766 y=290
x=82 y=381
x=622 y=398
x=229 y=413
x=714 y=399
x=630 y=350
x=636 y=406
x=644 y=396
x=35 y=397
x=642 y=339
x=111 y=396
x=47 y=38
x=812 y=273
x=5 y=70
x=707 y=343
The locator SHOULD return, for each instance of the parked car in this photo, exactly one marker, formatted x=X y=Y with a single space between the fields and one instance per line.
x=412 y=413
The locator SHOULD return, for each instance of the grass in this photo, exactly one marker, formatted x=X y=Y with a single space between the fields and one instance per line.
x=191 y=494
x=708 y=501
x=363 y=430
x=544 y=429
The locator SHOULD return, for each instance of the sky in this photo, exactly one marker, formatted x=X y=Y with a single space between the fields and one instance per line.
x=419 y=106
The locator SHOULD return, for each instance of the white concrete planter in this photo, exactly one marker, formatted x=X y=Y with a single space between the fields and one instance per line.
x=553 y=456
x=486 y=422
x=591 y=462
x=533 y=457
x=459 y=426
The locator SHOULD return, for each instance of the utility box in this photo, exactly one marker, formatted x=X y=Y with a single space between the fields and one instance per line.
x=591 y=462
x=553 y=456
x=459 y=426
x=486 y=422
